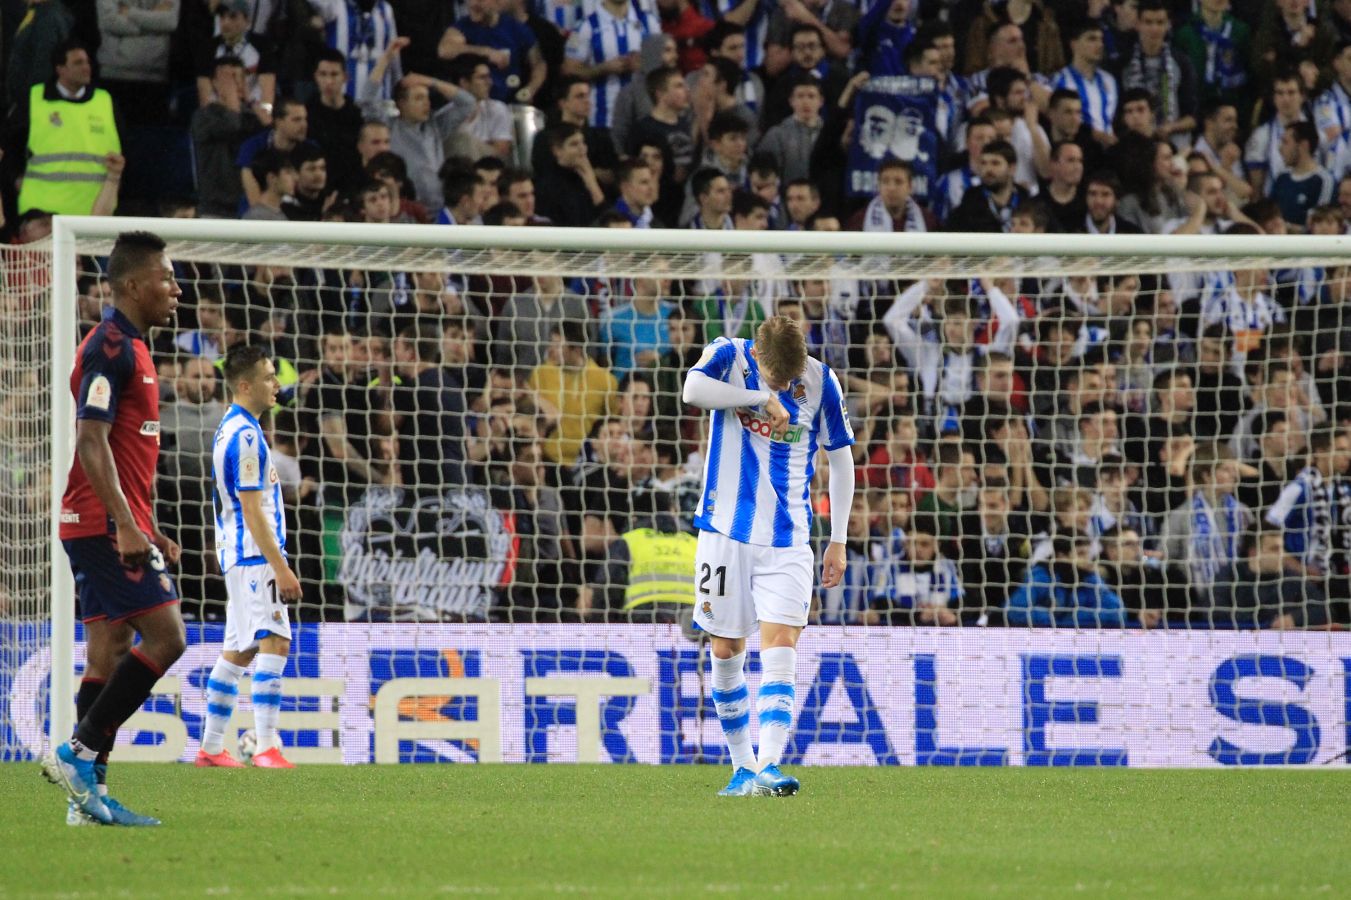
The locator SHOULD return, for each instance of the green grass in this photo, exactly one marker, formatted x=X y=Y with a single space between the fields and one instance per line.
x=644 y=831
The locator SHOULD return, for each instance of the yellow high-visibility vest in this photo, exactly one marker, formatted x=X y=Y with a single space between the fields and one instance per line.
x=661 y=567
x=68 y=142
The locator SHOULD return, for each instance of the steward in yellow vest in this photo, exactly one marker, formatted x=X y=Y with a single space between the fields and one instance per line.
x=661 y=568
x=70 y=132
x=648 y=572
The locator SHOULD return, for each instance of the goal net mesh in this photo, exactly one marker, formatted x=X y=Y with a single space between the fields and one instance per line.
x=491 y=481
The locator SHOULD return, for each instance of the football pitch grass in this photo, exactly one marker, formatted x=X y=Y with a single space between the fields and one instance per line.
x=631 y=831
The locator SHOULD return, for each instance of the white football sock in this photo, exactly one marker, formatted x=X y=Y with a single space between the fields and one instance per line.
x=267 y=699
x=778 y=669
x=222 y=689
x=733 y=702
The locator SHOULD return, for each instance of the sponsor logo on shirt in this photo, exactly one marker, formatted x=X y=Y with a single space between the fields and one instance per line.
x=150 y=428
x=756 y=425
x=70 y=518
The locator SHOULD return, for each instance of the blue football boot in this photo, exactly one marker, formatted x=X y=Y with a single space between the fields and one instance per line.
x=741 y=785
x=123 y=816
x=773 y=783
x=61 y=766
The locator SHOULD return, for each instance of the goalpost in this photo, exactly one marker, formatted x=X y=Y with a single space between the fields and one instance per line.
x=474 y=646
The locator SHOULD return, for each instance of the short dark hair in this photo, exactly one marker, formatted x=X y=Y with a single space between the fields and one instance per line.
x=1304 y=131
x=744 y=203
x=132 y=251
x=725 y=123
x=893 y=162
x=628 y=168
x=1060 y=94
x=510 y=177
x=703 y=179
x=948 y=453
x=763 y=164
x=269 y=161
x=241 y=360
x=658 y=78
x=455 y=186
x=308 y=152
x=719 y=33
x=563 y=86
x=465 y=64
x=1267 y=421
x=501 y=212
x=559 y=134
x=924 y=523
x=1078 y=29
x=1002 y=148
x=330 y=55
x=228 y=61
x=1002 y=79
x=64 y=49
x=727 y=72
x=283 y=104
x=1105 y=178
x=573 y=332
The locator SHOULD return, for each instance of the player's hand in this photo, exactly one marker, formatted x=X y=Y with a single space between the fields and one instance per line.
x=778 y=416
x=832 y=565
x=133 y=547
x=288 y=585
x=172 y=552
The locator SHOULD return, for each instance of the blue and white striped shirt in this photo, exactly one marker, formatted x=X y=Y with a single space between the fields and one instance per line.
x=362 y=37
x=601 y=36
x=1098 y=94
x=910 y=587
x=758 y=491
x=241 y=461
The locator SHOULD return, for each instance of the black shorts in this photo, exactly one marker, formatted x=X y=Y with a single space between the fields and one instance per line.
x=108 y=590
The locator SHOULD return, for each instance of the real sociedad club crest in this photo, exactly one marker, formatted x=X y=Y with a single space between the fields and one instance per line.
x=423 y=557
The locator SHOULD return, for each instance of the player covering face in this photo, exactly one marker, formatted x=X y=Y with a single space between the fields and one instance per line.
x=770 y=404
x=118 y=554
x=251 y=551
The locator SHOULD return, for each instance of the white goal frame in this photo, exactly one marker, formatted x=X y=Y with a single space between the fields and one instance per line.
x=67 y=231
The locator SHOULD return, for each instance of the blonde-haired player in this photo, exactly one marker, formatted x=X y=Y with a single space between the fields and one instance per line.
x=771 y=406
x=251 y=550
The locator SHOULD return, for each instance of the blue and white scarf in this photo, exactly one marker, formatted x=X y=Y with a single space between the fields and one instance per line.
x=1213 y=550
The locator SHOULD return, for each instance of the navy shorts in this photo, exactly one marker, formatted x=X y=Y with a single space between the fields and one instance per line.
x=108 y=590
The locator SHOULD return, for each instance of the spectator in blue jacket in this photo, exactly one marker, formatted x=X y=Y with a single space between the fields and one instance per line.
x=1067 y=592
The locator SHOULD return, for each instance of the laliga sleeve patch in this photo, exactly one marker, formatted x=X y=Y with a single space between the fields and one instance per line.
x=100 y=394
x=249 y=471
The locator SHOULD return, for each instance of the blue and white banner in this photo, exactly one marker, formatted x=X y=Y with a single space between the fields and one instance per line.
x=629 y=693
x=895 y=118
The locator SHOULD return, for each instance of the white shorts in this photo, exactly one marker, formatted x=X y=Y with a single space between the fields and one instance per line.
x=253 y=609
x=737 y=585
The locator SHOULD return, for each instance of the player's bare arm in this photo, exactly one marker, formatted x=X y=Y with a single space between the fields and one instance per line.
x=96 y=455
x=167 y=545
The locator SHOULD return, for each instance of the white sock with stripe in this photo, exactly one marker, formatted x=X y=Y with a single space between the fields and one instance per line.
x=222 y=690
x=732 y=700
x=778 y=670
x=267 y=699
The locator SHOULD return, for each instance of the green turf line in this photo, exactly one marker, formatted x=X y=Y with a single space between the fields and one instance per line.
x=648 y=831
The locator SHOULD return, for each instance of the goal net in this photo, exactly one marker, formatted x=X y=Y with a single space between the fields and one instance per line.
x=1102 y=514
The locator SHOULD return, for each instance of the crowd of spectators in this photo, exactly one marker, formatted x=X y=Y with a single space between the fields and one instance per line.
x=1128 y=449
